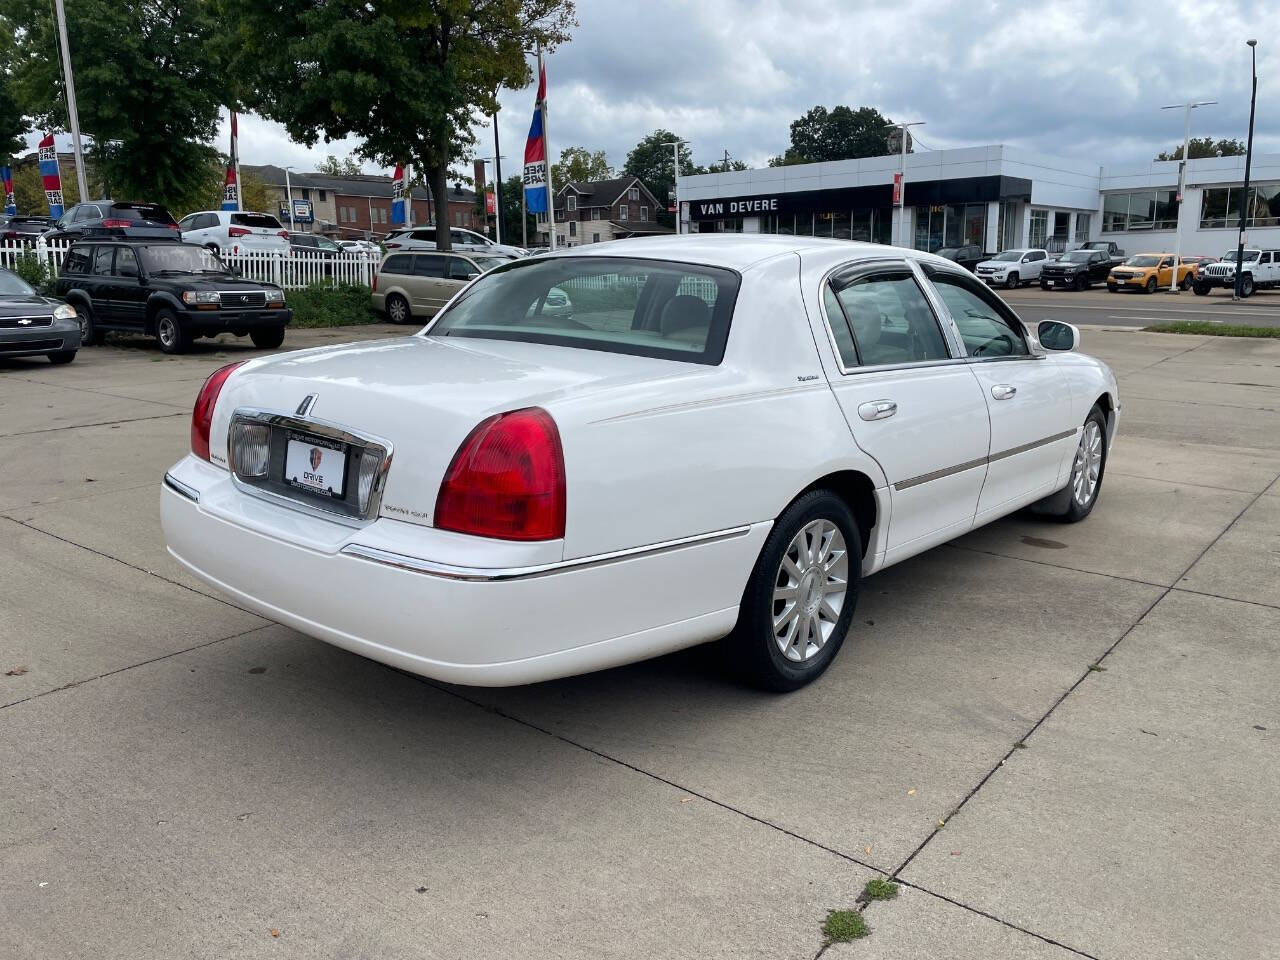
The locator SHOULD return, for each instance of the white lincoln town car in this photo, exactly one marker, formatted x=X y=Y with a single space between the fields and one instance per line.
x=723 y=437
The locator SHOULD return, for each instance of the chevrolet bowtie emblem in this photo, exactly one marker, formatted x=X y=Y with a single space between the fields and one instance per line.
x=24 y=322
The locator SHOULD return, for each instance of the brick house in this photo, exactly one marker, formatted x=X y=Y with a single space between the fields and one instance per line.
x=600 y=210
x=348 y=208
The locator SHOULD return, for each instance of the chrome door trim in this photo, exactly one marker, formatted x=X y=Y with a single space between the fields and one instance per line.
x=983 y=461
x=451 y=571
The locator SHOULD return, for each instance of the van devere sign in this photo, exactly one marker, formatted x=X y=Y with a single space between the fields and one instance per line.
x=735 y=208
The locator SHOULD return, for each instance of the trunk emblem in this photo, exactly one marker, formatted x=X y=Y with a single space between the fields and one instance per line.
x=305 y=406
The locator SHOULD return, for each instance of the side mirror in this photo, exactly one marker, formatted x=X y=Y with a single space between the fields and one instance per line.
x=1056 y=335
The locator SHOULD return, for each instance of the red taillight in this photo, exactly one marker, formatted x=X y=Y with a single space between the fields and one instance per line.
x=506 y=480
x=115 y=223
x=283 y=233
x=202 y=414
x=238 y=232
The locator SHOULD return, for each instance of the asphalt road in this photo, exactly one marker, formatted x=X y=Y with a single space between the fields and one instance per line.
x=1062 y=740
x=1103 y=308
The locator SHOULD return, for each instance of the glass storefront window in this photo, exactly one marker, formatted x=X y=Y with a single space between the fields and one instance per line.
x=1141 y=210
x=860 y=229
x=1038 y=234
x=1083 y=222
x=975 y=224
x=804 y=225
x=840 y=225
x=1115 y=212
x=1266 y=206
x=822 y=224
x=882 y=225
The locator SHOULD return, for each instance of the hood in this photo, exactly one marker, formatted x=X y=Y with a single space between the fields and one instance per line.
x=26 y=306
x=425 y=395
x=997 y=264
x=198 y=281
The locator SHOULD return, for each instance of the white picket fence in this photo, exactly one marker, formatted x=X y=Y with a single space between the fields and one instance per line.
x=293 y=270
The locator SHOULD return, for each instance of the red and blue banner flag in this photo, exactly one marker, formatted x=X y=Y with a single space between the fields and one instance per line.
x=230 y=186
x=49 y=174
x=397 y=196
x=536 y=185
x=10 y=204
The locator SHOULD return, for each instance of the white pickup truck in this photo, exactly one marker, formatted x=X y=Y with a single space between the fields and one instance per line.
x=1261 y=271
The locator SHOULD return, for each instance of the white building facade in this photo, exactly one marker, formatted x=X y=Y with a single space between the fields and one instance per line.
x=994 y=197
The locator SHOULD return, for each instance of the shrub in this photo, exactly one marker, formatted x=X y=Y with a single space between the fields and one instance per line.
x=320 y=305
x=34 y=269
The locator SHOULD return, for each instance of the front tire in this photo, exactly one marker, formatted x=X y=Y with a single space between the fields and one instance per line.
x=1186 y=282
x=172 y=336
x=1012 y=281
x=800 y=599
x=1151 y=285
x=62 y=356
x=1246 y=286
x=1080 y=283
x=1076 y=500
x=1201 y=289
x=397 y=309
x=267 y=338
x=89 y=332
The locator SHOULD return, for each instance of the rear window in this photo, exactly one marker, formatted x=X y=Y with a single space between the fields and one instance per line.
x=255 y=220
x=141 y=211
x=648 y=308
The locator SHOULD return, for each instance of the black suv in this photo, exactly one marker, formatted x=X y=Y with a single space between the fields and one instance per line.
x=168 y=289
x=121 y=217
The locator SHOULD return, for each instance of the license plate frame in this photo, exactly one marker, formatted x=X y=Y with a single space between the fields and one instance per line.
x=325 y=457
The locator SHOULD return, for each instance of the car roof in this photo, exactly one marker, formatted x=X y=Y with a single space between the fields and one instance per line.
x=742 y=251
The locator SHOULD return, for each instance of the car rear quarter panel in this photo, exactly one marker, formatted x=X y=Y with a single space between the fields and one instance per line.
x=664 y=460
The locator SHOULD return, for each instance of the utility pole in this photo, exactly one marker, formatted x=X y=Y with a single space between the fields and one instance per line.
x=675 y=146
x=1182 y=180
x=1248 y=159
x=497 y=181
x=73 y=113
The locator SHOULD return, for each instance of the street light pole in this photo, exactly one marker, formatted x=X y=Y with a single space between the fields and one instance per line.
x=1182 y=180
x=902 y=175
x=73 y=113
x=1248 y=159
x=675 y=146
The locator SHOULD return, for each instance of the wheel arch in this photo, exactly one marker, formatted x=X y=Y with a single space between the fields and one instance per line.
x=155 y=304
x=857 y=490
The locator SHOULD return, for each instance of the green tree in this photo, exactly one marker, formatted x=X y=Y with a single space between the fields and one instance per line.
x=1202 y=147
x=578 y=164
x=840 y=133
x=253 y=191
x=408 y=78
x=346 y=167
x=512 y=204
x=726 y=166
x=653 y=161
x=13 y=124
x=151 y=88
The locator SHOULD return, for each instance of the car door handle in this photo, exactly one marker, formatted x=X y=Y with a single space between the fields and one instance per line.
x=1003 y=391
x=877 y=409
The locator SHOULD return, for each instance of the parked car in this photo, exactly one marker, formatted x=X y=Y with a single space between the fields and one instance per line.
x=466 y=241
x=167 y=289
x=727 y=436
x=25 y=230
x=409 y=285
x=233 y=231
x=1150 y=271
x=1109 y=247
x=32 y=325
x=315 y=245
x=112 y=216
x=1012 y=267
x=968 y=256
x=1076 y=269
x=360 y=246
x=1261 y=272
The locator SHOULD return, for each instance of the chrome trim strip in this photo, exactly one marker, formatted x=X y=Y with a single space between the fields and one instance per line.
x=180 y=488
x=983 y=461
x=492 y=574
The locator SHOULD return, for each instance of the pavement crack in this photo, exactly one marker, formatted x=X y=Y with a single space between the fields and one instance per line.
x=132 y=566
x=133 y=666
x=104 y=423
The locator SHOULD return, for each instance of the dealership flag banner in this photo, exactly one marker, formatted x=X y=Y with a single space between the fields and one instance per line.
x=397 y=197
x=231 y=186
x=10 y=205
x=537 y=176
x=49 y=174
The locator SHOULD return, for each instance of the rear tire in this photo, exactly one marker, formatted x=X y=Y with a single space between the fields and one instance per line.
x=801 y=596
x=89 y=332
x=62 y=356
x=1246 y=286
x=267 y=338
x=172 y=336
x=1186 y=282
x=1043 y=285
x=397 y=309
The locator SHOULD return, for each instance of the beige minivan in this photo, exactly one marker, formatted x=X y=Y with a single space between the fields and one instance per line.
x=409 y=285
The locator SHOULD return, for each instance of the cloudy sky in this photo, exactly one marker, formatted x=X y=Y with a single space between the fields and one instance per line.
x=1079 y=78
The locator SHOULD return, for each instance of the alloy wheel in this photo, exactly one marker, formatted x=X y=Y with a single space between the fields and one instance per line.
x=167 y=330
x=1087 y=468
x=810 y=588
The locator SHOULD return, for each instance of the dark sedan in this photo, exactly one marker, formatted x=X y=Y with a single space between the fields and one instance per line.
x=968 y=256
x=32 y=325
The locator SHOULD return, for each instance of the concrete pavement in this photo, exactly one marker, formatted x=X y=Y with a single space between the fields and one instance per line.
x=1089 y=709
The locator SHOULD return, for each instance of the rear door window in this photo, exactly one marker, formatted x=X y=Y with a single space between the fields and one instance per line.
x=890 y=319
x=460 y=269
x=428 y=236
x=646 y=308
x=78 y=258
x=428 y=265
x=102 y=261
x=126 y=263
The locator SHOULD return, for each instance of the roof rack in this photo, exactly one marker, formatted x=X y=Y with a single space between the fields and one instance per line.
x=160 y=234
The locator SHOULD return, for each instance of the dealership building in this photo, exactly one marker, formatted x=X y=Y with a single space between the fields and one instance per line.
x=995 y=197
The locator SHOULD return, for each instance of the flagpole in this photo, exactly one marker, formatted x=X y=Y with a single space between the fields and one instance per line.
x=235 y=159
x=546 y=149
x=72 y=113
